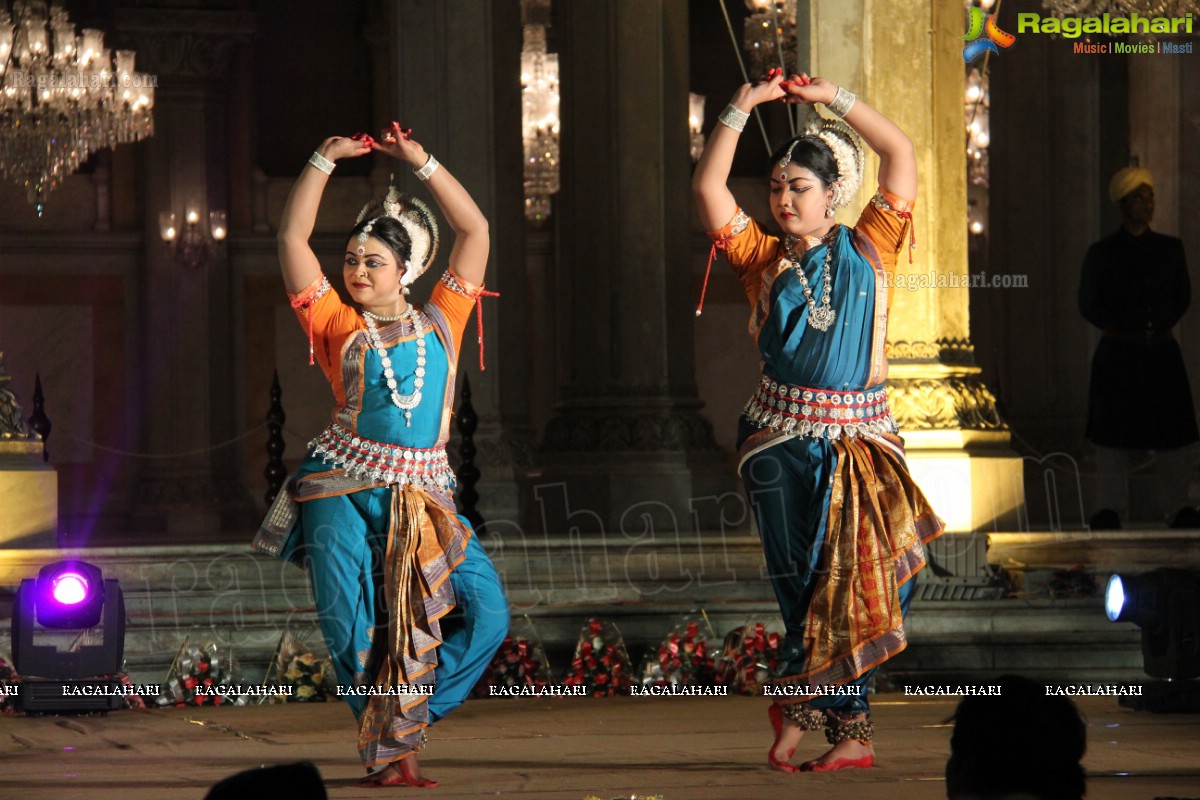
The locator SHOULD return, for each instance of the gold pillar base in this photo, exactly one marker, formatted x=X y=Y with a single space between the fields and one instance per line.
x=28 y=496
x=959 y=450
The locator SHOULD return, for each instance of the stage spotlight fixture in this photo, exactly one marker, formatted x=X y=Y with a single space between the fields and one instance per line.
x=1165 y=604
x=65 y=601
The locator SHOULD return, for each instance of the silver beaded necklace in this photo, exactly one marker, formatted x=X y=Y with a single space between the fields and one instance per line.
x=819 y=317
x=404 y=402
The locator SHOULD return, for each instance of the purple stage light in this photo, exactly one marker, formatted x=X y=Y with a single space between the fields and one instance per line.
x=70 y=588
x=70 y=594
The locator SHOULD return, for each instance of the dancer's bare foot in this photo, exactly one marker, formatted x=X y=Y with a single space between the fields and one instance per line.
x=851 y=739
x=850 y=754
x=787 y=737
x=789 y=729
x=406 y=772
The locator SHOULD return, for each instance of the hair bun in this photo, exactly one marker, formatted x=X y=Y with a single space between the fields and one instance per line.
x=418 y=222
x=847 y=150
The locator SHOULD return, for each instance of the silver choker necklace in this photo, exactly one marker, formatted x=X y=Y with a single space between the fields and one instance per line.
x=382 y=318
x=404 y=402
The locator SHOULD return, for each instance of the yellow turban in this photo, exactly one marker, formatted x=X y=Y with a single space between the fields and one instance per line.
x=1126 y=180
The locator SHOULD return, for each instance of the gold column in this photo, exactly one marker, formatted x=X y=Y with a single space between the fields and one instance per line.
x=28 y=486
x=905 y=59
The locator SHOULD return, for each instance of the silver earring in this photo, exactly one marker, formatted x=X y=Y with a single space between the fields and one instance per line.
x=828 y=212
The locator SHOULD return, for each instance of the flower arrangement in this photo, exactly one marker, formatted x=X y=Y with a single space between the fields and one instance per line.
x=683 y=659
x=601 y=661
x=749 y=659
x=201 y=675
x=298 y=674
x=518 y=662
x=9 y=681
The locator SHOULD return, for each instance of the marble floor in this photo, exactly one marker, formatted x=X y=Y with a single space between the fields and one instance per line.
x=569 y=748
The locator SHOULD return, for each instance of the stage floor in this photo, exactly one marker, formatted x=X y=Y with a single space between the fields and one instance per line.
x=568 y=748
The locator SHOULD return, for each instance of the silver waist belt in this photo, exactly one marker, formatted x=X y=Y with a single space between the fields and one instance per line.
x=425 y=468
x=820 y=413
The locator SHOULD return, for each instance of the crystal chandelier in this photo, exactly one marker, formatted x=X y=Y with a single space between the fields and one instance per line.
x=976 y=102
x=1121 y=8
x=63 y=97
x=539 y=112
x=976 y=108
x=769 y=36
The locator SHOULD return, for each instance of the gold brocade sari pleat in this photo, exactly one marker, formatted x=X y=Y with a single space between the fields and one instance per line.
x=878 y=524
x=425 y=541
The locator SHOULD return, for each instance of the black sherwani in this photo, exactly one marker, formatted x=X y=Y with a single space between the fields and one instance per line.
x=1135 y=289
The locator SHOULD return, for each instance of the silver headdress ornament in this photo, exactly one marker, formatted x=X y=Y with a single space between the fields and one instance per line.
x=847 y=150
x=418 y=221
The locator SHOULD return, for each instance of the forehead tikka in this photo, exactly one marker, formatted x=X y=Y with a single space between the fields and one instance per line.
x=363 y=235
x=787 y=159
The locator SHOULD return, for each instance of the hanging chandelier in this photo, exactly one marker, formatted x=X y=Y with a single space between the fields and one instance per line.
x=769 y=36
x=1121 y=8
x=539 y=112
x=63 y=97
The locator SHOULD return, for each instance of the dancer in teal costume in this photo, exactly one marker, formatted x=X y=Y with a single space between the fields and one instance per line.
x=371 y=510
x=842 y=523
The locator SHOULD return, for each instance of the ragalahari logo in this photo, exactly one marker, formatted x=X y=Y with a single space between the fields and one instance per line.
x=995 y=40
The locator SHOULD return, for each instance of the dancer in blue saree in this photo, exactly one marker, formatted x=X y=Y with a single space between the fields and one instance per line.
x=371 y=511
x=842 y=523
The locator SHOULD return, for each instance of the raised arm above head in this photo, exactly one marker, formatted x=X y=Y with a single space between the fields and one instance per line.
x=296 y=258
x=897 y=160
x=714 y=201
x=469 y=254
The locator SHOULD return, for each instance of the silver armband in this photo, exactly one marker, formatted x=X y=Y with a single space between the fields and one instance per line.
x=843 y=101
x=733 y=117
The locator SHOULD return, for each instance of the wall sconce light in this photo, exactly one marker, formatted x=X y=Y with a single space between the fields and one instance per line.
x=695 y=123
x=192 y=245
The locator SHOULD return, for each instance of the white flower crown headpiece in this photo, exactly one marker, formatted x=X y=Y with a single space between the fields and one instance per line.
x=847 y=150
x=418 y=222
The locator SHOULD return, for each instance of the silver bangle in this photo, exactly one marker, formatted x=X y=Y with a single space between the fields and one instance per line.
x=430 y=167
x=321 y=162
x=843 y=101
x=733 y=117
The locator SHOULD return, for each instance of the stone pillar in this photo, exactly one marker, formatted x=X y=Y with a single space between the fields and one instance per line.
x=1156 y=132
x=626 y=445
x=958 y=447
x=454 y=78
x=182 y=384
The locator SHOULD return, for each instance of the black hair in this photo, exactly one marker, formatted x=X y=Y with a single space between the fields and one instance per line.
x=391 y=233
x=812 y=154
x=1021 y=741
